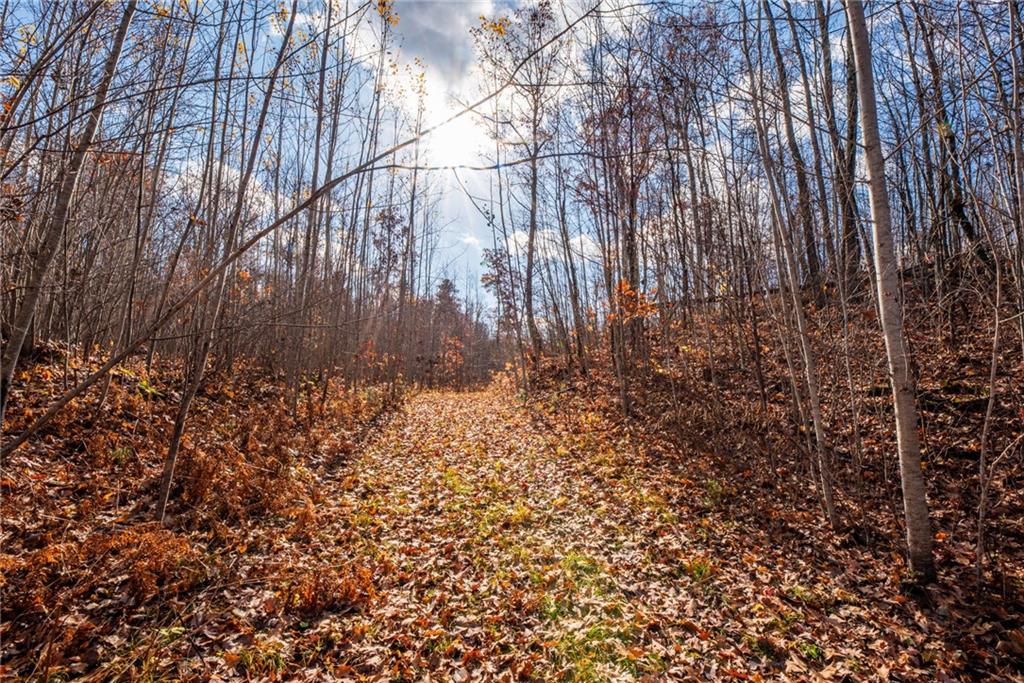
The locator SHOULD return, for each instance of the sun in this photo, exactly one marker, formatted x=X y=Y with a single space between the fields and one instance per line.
x=462 y=142
x=458 y=143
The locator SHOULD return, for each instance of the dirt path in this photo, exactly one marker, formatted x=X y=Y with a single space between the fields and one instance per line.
x=503 y=546
x=504 y=556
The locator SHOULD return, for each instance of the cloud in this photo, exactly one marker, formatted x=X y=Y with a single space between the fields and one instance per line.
x=438 y=34
x=470 y=240
x=189 y=178
x=548 y=245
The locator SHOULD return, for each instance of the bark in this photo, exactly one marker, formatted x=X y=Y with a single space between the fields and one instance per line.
x=803 y=190
x=206 y=335
x=788 y=267
x=915 y=504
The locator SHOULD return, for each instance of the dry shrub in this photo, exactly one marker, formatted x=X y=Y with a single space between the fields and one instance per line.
x=247 y=460
x=153 y=560
x=305 y=520
x=225 y=482
x=314 y=590
x=149 y=561
x=28 y=582
x=79 y=563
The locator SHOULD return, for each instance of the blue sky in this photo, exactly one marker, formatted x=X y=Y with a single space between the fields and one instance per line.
x=438 y=33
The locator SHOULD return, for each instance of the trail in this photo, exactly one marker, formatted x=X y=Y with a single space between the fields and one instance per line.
x=504 y=546
x=504 y=556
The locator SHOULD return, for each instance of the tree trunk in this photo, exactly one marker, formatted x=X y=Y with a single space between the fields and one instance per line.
x=915 y=504
x=207 y=329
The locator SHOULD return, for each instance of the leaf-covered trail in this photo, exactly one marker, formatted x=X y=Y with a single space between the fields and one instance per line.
x=504 y=556
x=504 y=545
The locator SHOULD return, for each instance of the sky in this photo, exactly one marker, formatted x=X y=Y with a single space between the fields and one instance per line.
x=434 y=35
x=437 y=32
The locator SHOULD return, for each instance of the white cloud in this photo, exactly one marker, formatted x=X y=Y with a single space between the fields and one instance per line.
x=548 y=245
x=188 y=180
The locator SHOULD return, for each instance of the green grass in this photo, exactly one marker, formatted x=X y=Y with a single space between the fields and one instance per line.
x=579 y=567
x=454 y=481
x=810 y=650
x=764 y=648
x=809 y=596
x=700 y=569
x=500 y=516
x=263 y=659
x=587 y=655
x=714 y=492
x=554 y=609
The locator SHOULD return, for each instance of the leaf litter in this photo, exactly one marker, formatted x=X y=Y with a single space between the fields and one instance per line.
x=469 y=537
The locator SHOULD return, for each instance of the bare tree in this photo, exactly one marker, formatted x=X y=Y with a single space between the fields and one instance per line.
x=915 y=505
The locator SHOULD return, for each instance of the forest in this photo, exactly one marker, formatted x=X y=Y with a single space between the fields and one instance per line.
x=554 y=340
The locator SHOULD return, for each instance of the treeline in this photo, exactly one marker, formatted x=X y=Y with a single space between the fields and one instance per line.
x=172 y=185
x=736 y=188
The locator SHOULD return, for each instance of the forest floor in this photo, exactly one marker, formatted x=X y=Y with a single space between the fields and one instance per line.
x=503 y=543
x=475 y=538
x=556 y=546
